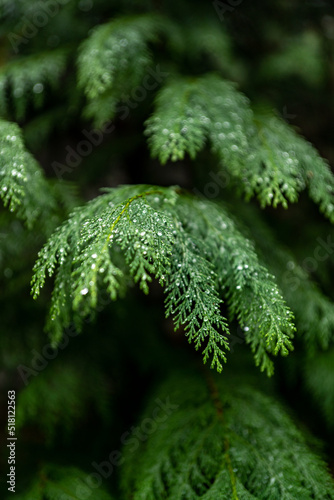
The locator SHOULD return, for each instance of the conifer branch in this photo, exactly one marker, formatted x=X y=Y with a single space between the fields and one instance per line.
x=240 y=444
x=262 y=153
x=55 y=482
x=113 y=61
x=25 y=80
x=154 y=231
x=22 y=184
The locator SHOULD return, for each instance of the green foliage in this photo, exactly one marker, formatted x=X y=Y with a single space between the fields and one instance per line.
x=24 y=188
x=22 y=184
x=313 y=309
x=217 y=275
x=218 y=440
x=25 y=81
x=113 y=61
x=188 y=111
x=172 y=237
x=319 y=380
x=59 y=397
x=55 y=482
x=262 y=153
x=300 y=56
x=283 y=164
x=43 y=126
x=251 y=292
x=201 y=37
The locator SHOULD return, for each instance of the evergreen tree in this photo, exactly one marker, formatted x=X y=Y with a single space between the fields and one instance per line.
x=162 y=147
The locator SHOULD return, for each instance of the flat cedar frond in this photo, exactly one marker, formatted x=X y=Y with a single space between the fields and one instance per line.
x=287 y=163
x=114 y=59
x=313 y=309
x=263 y=153
x=219 y=440
x=104 y=93
x=56 y=482
x=191 y=246
x=250 y=291
x=189 y=110
x=23 y=186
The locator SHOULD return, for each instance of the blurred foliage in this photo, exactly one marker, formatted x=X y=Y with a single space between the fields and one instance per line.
x=79 y=124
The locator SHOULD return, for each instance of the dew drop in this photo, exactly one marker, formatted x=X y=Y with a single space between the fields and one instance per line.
x=8 y=272
x=38 y=88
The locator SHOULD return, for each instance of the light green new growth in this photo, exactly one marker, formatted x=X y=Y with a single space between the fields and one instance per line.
x=25 y=80
x=55 y=482
x=22 y=184
x=220 y=440
x=266 y=157
x=192 y=247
